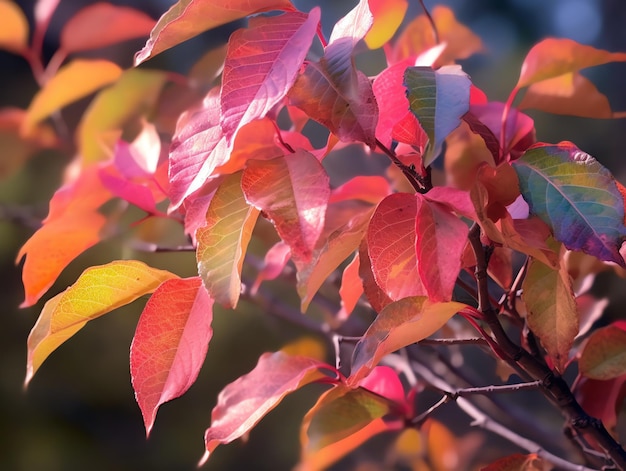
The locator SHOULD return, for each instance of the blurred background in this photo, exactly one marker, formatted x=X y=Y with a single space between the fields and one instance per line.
x=79 y=411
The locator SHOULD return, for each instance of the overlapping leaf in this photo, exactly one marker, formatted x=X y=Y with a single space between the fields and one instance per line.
x=399 y=324
x=170 y=344
x=439 y=99
x=98 y=291
x=244 y=402
x=293 y=192
x=576 y=196
x=604 y=355
x=223 y=241
x=261 y=65
x=188 y=18
x=388 y=15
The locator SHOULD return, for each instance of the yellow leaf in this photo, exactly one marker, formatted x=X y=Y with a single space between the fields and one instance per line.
x=98 y=291
x=388 y=15
x=13 y=27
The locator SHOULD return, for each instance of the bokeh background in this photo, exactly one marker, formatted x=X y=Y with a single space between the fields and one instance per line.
x=79 y=411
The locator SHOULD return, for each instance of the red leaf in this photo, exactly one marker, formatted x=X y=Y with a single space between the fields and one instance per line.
x=244 y=402
x=370 y=189
x=374 y=294
x=601 y=399
x=293 y=192
x=188 y=18
x=103 y=24
x=261 y=65
x=604 y=355
x=170 y=344
x=351 y=288
x=275 y=261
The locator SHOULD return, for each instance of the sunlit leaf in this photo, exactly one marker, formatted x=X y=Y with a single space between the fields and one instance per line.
x=388 y=15
x=553 y=57
x=170 y=344
x=103 y=24
x=375 y=295
x=399 y=324
x=552 y=314
x=351 y=288
x=370 y=188
x=98 y=291
x=438 y=98
x=223 y=241
x=274 y=263
x=244 y=402
x=576 y=196
x=73 y=81
x=188 y=18
x=293 y=192
x=261 y=65
x=604 y=355
x=13 y=27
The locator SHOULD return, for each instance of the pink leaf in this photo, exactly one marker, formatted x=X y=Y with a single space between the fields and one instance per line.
x=170 y=344
x=261 y=65
x=293 y=192
x=275 y=261
x=351 y=288
x=370 y=189
x=244 y=402
x=385 y=382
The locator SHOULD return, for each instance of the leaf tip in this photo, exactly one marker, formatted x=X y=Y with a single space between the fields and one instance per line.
x=204 y=458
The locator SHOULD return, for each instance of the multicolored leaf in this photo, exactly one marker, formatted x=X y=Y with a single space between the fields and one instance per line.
x=399 y=324
x=170 y=344
x=388 y=15
x=244 y=402
x=261 y=65
x=604 y=355
x=98 y=291
x=188 y=18
x=576 y=196
x=439 y=99
x=223 y=241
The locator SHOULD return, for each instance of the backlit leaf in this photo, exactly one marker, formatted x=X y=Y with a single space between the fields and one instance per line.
x=438 y=98
x=274 y=263
x=244 y=402
x=170 y=344
x=103 y=24
x=73 y=81
x=351 y=288
x=261 y=65
x=388 y=15
x=13 y=27
x=98 y=291
x=368 y=188
x=188 y=18
x=223 y=241
x=293 y=192
x=552 y=313
x=576 y=196
x=553 y=57
x=604 y=355
x=399 y=324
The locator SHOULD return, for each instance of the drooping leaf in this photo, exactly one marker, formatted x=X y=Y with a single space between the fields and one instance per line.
x=261 y=65
x=223 y=241
x=438 y=98
x=188 y=18
x=98 y=291
x=351 y=288
x=103 y=24
x=170 y=344
x=557 y=56
x=133 y=95
x=552 y=314
x=576 y=196
x=274 y=263
x=375 y=295
x=399 y=324
x=72 y=226
x=293 y=192
x=13 y=27
x=244 y=402
x=388 y=15
x=604 y=355
x=73 y=81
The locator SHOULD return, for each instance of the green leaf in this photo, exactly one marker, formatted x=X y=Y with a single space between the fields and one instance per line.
x=438 y=98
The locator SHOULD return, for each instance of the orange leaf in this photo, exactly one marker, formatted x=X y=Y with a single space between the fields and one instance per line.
x=75 y=80
x=388 y=15
x=103 y=24
x=13 y=28
x=188 y=18
x=351 y=287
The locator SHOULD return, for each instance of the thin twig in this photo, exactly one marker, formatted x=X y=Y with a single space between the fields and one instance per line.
x=431 y=21
x=447 y=342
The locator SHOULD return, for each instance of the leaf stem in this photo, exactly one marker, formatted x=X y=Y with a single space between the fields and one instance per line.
x=431 y=21
x=411 y=175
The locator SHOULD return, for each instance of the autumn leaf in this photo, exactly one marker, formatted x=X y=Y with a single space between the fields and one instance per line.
x=188 y=18
x=73 y=81
x=438 y=98
x=388 y=15
x=351 y=288
x=517 y=462
x=103 y=24
x=399 y=324
x=262 y=63
x=601 y=399
x=576 y=196
x=293 y=192
x=244 y=402
x=604 y=355
x=98 y=291
x=13 y=28
x=170 y=344
x=223 y=241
